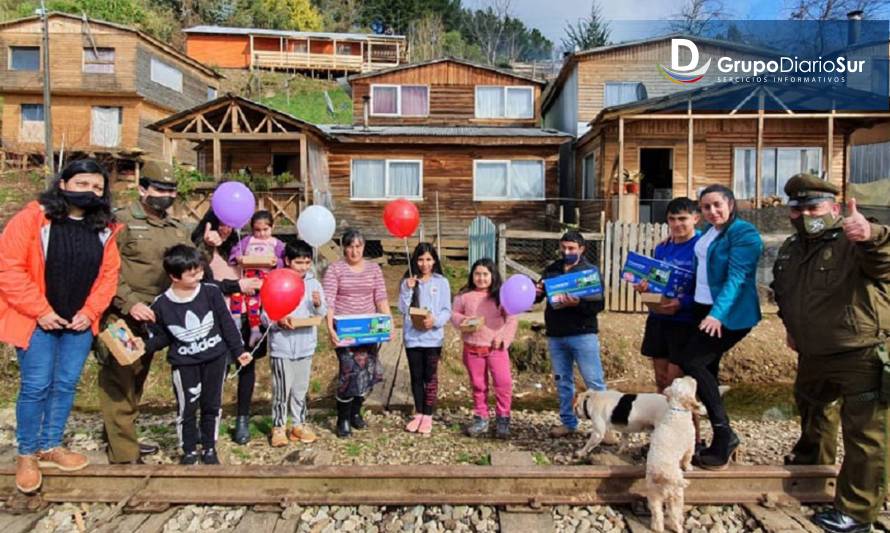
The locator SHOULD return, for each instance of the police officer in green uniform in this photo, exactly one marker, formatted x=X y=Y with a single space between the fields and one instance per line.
x=148 y=231
x=832 y=286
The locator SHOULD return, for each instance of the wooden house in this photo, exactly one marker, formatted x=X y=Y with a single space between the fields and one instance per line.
x=296 y=51
x=459 y=139
x=108 y=82
x=682 y=140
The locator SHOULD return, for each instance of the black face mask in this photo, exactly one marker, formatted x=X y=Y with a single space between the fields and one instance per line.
x=159 y=203
x=84 y=199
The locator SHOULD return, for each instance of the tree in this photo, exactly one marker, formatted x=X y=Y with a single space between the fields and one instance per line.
x=835 y=9
x=485 y=27
x=588 y=32
x=454 y=45
x=695 y=15
x=297 y=15
x=426 y=37
x=340 y=15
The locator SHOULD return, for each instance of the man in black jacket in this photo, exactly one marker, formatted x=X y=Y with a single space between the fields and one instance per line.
x=571 y=333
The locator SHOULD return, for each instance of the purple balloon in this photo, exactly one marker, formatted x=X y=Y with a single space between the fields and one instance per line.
x=517 y=294
x=233 y=204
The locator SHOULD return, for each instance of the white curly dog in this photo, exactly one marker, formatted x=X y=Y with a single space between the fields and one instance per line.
x=671 y=447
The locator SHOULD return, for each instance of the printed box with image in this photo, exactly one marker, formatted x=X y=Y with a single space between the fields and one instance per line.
x=363 y=329
x=585 y=284
x=663 y=278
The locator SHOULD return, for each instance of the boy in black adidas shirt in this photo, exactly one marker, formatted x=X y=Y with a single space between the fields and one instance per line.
x=192 y=319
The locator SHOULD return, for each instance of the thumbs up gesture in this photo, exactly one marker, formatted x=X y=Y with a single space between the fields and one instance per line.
x=211 y=237
x=856 y=227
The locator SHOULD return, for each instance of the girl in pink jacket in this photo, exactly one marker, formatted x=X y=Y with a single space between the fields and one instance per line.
x=487 y=331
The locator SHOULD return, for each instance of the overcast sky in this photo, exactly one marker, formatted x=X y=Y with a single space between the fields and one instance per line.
x=551 y=16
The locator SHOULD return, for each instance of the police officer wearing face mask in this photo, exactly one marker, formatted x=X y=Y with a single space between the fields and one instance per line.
x=149 y=230
x=832 y=286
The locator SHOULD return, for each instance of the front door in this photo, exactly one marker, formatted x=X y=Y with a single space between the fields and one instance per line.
x=656 y=187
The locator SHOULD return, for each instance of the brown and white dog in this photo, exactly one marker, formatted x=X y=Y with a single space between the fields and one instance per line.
x=615 y=411
x=671 y=447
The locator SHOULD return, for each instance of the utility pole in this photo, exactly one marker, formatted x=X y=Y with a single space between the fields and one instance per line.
x=49 y=158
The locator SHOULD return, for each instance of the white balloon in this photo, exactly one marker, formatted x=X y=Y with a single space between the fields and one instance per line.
x=316 y=225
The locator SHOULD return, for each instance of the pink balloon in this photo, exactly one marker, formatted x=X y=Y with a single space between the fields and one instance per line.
x=517 y=294
x=233 y=204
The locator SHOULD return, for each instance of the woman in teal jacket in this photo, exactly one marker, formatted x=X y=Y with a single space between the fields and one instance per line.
x=727 y=305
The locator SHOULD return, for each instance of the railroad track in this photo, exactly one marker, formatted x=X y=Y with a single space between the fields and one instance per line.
x=162 y=489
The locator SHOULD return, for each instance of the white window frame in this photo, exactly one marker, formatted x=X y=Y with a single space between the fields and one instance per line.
x=584 y=176
x=172 y=87
x=386 y=164
x=343 y=45
x=776 y=149
x=506 y=89
x=9 y=58
x=398 y=88
x=636 y=84
x=113 y=62
x=509 y=163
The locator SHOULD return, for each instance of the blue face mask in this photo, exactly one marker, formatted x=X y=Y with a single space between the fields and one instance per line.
x=570 y=259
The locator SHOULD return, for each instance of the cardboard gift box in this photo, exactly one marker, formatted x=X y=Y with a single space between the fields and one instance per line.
x=651 y=297
x=663 y=278
x=585 y=284
x=259 y=261
x=362 y=329
x=418 y=315
x=306 y=322
x=472 y=325
x=121 y=342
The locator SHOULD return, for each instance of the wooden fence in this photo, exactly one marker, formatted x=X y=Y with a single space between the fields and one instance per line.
x=617 y=239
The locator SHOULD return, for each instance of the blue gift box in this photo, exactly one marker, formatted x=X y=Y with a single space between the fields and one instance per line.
x=584 y=284
x=362 y=329
x=664 y=278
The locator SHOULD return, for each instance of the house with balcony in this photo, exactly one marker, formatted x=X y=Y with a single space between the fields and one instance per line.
x=294 y=51
x=108 y=82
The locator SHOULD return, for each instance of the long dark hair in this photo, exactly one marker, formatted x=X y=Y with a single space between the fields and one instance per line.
x=727 y=195
x=495 y=288
x=56 y=207
x=419 y=250
x=198 y=235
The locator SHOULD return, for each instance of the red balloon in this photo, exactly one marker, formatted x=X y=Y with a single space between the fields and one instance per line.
x=281 y=293
x=401 y=218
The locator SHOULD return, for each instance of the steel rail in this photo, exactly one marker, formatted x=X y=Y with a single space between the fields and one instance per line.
x=421 y=484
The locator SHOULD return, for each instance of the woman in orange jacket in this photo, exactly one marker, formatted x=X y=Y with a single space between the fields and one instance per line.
x=59 y=267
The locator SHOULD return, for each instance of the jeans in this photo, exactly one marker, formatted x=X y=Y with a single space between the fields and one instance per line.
x=564 y=352
x=50 y=369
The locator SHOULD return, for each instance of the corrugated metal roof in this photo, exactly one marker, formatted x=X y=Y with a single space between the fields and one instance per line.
x=225 y=30
x=440 y=131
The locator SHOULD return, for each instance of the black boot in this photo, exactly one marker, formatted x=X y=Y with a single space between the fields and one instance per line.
x=721 y=451
x=242 y=429
x=344 y=411
x=355 y=419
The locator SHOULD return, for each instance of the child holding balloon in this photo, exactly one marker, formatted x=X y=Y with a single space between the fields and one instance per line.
x=291 y=348
x=487 y=332
x=424 y=286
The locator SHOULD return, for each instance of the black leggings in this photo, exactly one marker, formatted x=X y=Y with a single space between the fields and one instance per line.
x=701 y=361
x=247 y=375
x=424 y=366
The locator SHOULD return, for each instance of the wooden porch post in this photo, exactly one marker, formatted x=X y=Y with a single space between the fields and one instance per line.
x=250 y=63
x=167 y=148
x=830 y=145
x=689 y=157
x=217 y=159
x=304 y=168
x=758 y=159
x=370 y=54
x=620 y=168
x=308 y=50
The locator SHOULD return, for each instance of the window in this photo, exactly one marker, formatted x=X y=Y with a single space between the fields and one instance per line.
x=32 y=123
x=508 y=180
x=400 y=100
x=299 y=47
x=24 y=58
x=166 y=75
x=344 y=49
x=588 y=183
x=98 y=60
x=777 y=166
x=211 y=93
x=374 y=179
x=622 y=92
x=105 y=128
x=495 y=101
